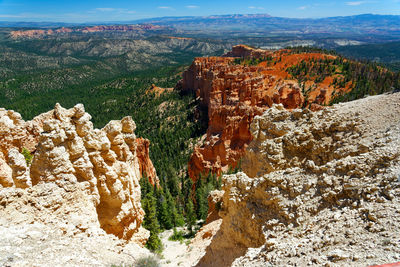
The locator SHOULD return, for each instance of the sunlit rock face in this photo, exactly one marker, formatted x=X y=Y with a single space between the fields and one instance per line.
x=317 y=188
x=90 y=174
x=233 y=94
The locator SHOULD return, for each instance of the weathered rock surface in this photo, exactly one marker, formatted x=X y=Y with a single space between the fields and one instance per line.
x=318 y=188
x=82 y=181
x=234 y=94
x=16 y=134
x=214 y=205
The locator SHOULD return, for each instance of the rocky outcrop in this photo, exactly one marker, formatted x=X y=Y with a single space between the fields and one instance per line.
x=318 y=188
x=146 y=166
x=90 y=174
x=244 y=51
x=233 y=94
x=30 y=33
x=158 y=91
x=15 y=134
x=214 y=205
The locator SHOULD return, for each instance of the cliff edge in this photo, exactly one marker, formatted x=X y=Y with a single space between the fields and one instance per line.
x=318 y=188
x=244 y=83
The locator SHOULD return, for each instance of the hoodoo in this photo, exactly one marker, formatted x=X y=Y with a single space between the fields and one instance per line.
x=81 y=180
x=245 y=83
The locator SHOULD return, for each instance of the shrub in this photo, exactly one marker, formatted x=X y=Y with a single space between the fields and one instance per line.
x=28 y=156
x=177 y=235
x=148 y=261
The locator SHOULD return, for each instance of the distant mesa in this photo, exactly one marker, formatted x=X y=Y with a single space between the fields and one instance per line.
x=101 y=28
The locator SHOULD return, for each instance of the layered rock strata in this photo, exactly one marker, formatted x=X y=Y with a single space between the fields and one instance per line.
x=318 y=188
x=85 y=177
x=233 y=94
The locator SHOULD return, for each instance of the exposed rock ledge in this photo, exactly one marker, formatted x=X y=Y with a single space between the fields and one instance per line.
x=317 y=189
x=82 y=182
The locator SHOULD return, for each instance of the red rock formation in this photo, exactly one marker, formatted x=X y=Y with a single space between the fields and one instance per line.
x=145 y=163
x=64 y=30
x=234 y=94
x=157 y=91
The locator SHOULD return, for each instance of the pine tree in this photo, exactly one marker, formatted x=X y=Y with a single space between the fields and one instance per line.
x=145 y=186
x=176 y=215
x=164 y=211
x=201 y=199
x=190 y=216
x=172 y=181
x=150 y=222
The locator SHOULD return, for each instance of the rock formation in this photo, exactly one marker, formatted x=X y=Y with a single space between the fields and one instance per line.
x=17 y=134
x=145 y=164
x=157 y=91
x=214 y=205
x=244 y=51
x=318 y=188
x=75 y=169
x=234 y=94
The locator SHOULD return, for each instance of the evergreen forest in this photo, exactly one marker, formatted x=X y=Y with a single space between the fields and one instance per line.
x=36 y=74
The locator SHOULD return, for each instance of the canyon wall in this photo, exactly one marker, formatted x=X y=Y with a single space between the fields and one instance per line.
x=233 y=94
x=81 y=176
x=318 y=188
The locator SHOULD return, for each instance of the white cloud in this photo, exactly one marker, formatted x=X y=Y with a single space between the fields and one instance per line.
x=165 y=7
x=111 y=10
x=105 y=9
x=10 y=16
x=355 y=3
x=192 y=6
x=256 y=7
x=302 y=7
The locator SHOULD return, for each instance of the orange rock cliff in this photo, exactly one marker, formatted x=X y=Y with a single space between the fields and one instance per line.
x=234 y=92
x=145 y=164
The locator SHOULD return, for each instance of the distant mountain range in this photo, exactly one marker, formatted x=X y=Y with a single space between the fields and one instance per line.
x=257 y=25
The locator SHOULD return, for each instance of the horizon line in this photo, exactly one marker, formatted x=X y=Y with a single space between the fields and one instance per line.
x=199 y=16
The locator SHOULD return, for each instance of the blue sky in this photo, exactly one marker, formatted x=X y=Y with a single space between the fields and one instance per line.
x=120 y=10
